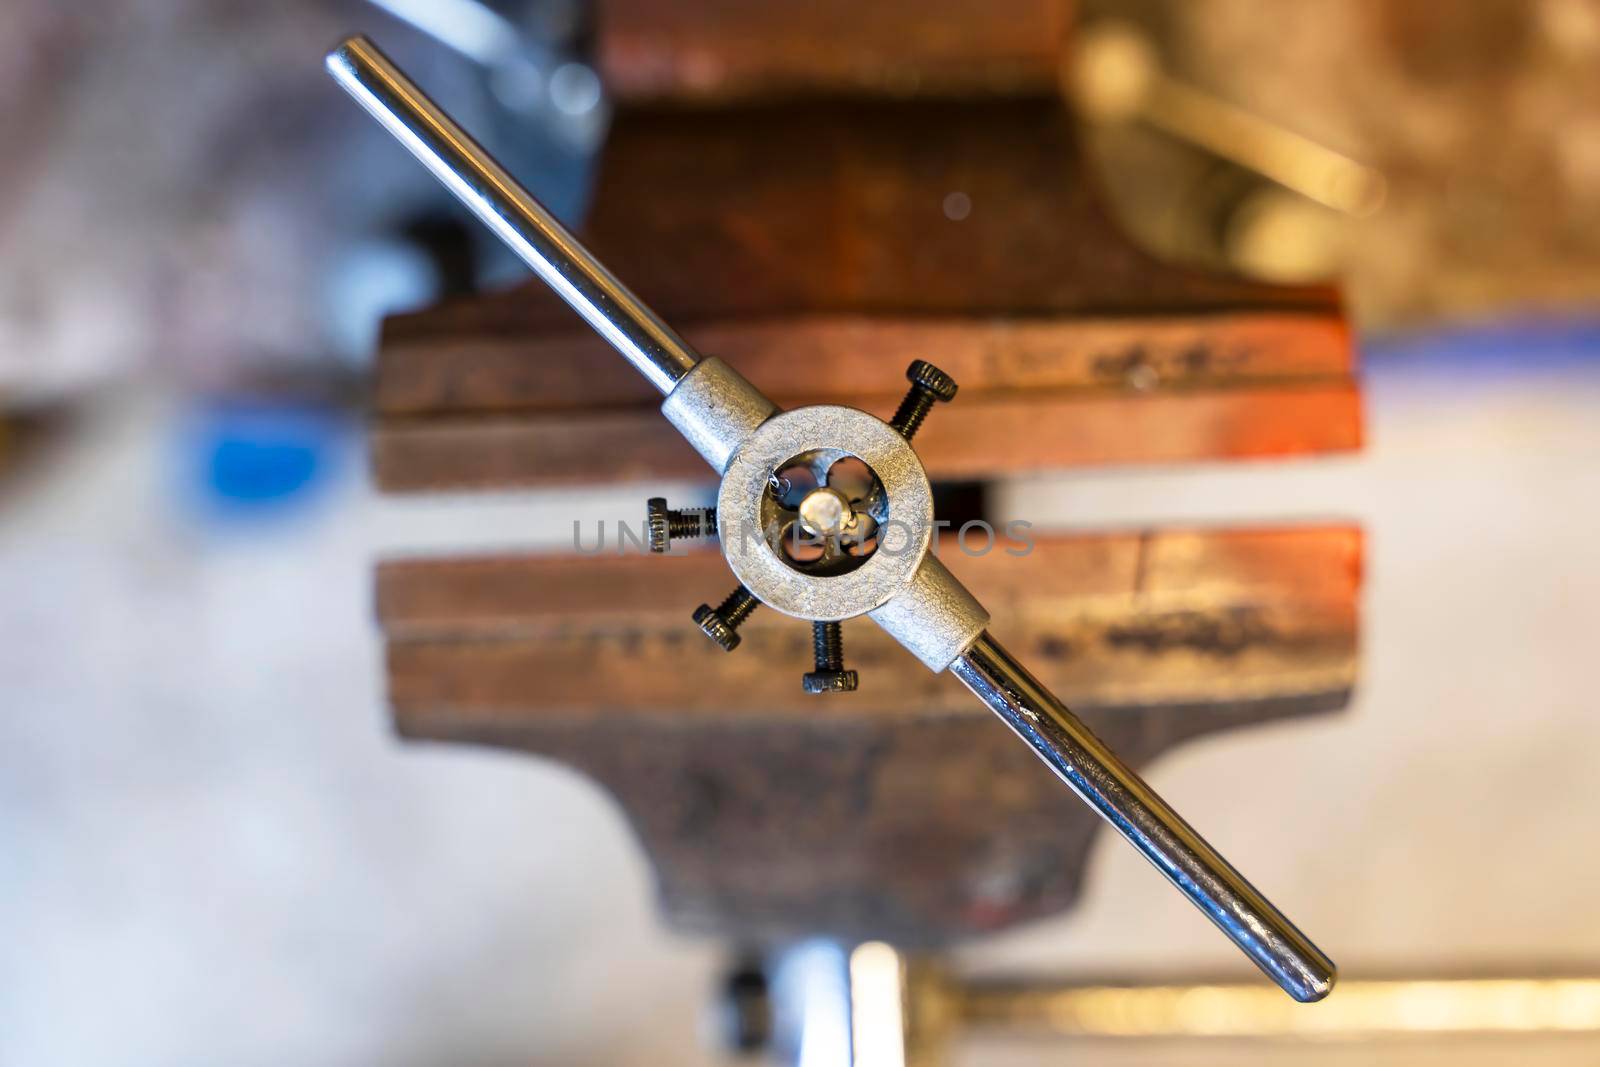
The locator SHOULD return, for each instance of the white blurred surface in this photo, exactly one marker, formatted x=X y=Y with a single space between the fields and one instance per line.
x=214 y=849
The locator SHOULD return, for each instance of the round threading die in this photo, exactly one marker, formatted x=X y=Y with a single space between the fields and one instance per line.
x=903 y=535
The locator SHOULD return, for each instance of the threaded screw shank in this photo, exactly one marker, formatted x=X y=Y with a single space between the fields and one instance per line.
x=662 y=523
x=827 y=642
x=827 y=639
x=929 y=386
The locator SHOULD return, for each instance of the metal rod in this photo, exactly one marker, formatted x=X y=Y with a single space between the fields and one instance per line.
x=509 y=210
x=1122 y=798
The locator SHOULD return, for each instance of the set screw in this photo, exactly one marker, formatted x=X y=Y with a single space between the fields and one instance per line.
x=722 y=622
x=929 y=386
x=662 y=523
x=827 y=640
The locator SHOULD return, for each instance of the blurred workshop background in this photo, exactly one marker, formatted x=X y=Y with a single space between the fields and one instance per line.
x=213 y=849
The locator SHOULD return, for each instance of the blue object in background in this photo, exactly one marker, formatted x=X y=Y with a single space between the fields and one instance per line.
x=255 y=458
x=1494 y=350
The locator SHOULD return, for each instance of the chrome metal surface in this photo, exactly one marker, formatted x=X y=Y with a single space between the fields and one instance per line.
x=903 y=536
x=809 y=986
x=512 y=213
x=1122 y=798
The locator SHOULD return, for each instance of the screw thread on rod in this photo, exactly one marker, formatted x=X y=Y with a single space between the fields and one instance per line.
x=737 y=608
x=912 y=410
x=692 y=522
x=827 y=639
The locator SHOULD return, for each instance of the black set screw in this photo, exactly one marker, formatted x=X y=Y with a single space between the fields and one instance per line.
x=721 y=623
x=662 y=523
x=827 y=640
x=929 y=386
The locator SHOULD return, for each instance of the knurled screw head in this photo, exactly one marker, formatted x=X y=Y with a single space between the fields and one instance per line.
x=662 y=523
x=721 y=623
x=658 y=524
x=716 y=628
x=925 y=375
x=829 y=681
x=929 y=386
x=827 y=640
